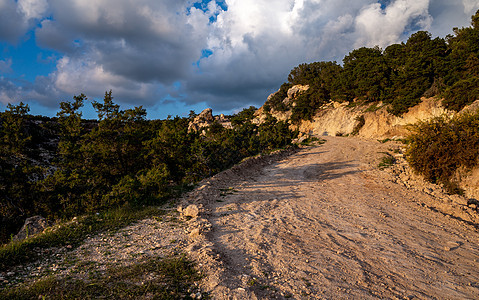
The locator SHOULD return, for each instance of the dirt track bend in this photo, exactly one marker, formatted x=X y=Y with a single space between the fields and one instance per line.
x=325 y=223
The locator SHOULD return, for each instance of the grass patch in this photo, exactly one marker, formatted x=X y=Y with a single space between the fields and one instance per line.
x=403 y=141
x=384 y=140
x=71 y=233
x=312 y=140
x=353 y=104
x=169 y=278
x=228 y=191
x=387 y=161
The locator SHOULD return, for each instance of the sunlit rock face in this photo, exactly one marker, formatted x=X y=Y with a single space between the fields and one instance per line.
x=205 y=119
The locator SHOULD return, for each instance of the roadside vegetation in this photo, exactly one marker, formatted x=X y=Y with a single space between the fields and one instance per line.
x=72 y=233
x=170 y=278
x=386 y=161
x=439 y=148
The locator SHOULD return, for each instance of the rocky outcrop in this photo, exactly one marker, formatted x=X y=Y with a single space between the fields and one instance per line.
x=289 y=101
x=206 y=118
x=32 y=226
x=293 y=94
x=343 y=118
x=367 y=120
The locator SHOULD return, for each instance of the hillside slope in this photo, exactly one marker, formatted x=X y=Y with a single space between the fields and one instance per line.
x=327 y=223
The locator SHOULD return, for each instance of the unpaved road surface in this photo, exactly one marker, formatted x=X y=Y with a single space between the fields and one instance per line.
x=326 y=223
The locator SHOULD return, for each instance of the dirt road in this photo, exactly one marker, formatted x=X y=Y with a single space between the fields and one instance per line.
x=326 y=223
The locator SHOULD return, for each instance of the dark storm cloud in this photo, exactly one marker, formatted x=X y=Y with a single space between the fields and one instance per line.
x=13 y=23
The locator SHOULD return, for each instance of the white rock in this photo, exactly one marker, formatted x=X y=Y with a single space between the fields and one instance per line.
x=191 y=211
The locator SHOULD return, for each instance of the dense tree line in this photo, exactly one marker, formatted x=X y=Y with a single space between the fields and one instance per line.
x=119 y=159
x=399 y=75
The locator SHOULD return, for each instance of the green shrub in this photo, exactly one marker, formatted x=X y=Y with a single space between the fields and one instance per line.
x=387 y=161
x=246 y=115
x=439 y=147
x=143 y=188
x=361 y=121
x=308 y=103
x=312 y=140
x=462 y=93
x=276 y=101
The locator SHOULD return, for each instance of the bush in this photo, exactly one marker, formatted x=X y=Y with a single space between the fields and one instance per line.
x=361 y=122
x=308 y=103
x=144 y=188
x=276 y=101
x=439 y=147
x=387 y=161
x=462 y=93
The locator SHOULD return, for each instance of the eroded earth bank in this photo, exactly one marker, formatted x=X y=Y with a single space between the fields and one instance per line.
x=327 y=223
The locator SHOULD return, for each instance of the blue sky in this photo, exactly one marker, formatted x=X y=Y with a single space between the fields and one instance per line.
x=173 y=56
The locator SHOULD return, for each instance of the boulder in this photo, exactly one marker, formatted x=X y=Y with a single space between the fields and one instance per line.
x=32 y=226
x=191 y=211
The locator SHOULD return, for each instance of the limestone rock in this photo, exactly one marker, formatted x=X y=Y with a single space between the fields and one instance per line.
x=206 y=115
x=191 y=211
x=205 y=119
x=32 y=226
x=293 y=93
x=195 y=232
x=296 y=90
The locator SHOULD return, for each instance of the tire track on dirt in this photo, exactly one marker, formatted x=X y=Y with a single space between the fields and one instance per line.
x=326 y=223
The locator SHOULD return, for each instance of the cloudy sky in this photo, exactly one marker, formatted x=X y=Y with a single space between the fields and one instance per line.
x=173 y=56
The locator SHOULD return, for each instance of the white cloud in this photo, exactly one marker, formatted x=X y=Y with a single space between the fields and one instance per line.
x=142 y=49
x=88 y=76
x=50 y=35
x=33 y=9
x=17 y=17
x=376 y=26
x=12 y=25
x=470 y=6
